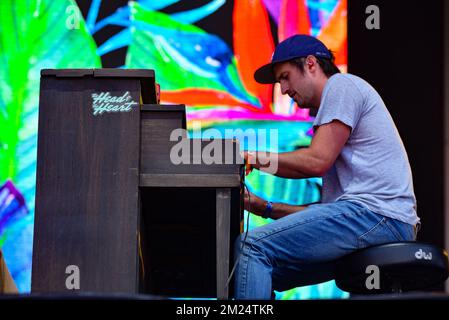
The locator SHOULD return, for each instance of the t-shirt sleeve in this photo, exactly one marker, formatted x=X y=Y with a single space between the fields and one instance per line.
x=341 y=101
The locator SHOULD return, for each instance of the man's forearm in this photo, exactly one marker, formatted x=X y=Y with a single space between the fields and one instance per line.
x=278 y=211
x=297 y=164
x=283 y=209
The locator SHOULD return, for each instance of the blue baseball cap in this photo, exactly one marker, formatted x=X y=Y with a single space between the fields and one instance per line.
x=296 y=46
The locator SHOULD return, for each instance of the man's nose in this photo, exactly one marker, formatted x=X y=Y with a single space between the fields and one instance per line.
x=284 y=88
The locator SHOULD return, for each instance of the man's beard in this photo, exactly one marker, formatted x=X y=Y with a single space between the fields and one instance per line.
x=305 y=104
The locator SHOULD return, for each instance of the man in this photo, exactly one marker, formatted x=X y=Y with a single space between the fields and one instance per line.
x=367 y=198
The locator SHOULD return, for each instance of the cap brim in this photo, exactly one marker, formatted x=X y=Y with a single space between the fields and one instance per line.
x=265 y=74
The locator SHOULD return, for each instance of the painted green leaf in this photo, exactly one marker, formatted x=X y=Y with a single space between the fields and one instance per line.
x=183 y=55
x=156 y=39
x=34 y=35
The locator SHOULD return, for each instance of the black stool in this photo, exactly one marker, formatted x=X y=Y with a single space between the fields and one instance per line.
x=403 y=266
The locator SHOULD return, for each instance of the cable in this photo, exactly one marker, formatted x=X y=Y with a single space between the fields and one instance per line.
x=244 y=238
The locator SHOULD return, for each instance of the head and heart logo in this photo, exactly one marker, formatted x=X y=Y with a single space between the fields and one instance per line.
x=105 y=102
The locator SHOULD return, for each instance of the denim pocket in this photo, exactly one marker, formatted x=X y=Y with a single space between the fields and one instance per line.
x=378 y=234
x=403 y=231
x=389 y=223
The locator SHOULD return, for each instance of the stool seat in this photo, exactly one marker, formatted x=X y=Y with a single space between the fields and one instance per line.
x=403 y=266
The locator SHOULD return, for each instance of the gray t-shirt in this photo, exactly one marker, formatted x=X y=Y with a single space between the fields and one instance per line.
x=372 y=168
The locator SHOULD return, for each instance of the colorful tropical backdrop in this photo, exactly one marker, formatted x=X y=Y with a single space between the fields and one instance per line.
x=194 y=66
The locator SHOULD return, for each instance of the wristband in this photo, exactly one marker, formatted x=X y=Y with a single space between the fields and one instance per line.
x=268 y=210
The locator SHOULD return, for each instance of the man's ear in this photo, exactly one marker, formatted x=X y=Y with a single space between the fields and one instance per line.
x=311 y=62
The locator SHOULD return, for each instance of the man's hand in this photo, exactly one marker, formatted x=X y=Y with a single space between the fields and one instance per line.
x=249 y=158
x=257 y=206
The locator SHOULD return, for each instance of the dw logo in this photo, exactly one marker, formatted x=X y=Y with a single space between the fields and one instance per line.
x=420 y=254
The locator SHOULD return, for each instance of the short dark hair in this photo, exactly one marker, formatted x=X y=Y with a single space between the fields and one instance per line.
x=327 y=65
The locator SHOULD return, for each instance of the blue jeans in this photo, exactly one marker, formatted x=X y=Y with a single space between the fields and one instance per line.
x=300 y=249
